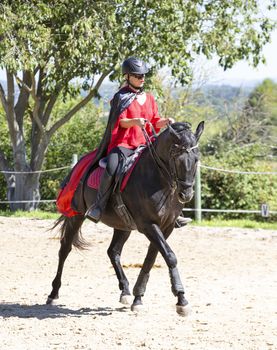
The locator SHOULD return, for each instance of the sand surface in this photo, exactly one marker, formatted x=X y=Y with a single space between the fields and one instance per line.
x=230 y=276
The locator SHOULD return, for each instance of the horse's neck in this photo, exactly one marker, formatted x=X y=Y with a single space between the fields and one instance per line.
x=148 y=167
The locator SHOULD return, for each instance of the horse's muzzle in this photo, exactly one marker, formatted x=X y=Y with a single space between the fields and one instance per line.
x=185 y=196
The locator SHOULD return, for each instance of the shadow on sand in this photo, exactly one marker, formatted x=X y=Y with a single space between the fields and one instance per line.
x=42 y=312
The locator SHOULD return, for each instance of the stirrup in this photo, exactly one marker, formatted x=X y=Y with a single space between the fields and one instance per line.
x=94 y=214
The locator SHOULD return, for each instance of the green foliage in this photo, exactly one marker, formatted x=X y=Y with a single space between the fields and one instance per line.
x=47 y=45
x=243 y=223
x=80 y=136
x=80 y=39
x=36 y=214
x=247 y=121
x=262 y=107
x=222 y=190
x=5 y=146
x=189 y=105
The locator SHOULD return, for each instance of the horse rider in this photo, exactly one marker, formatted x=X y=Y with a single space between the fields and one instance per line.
x=131 y=110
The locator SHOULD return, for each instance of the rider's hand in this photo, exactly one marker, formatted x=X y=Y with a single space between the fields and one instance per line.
x=140 y=122
x=163 y=122
x=171 y=120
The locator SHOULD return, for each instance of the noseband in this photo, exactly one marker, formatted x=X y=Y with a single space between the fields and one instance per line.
x=175 y=151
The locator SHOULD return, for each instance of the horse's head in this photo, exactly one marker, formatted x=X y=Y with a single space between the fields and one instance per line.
x=178 y=147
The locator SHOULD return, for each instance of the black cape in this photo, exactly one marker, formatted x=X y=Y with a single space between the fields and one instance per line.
x=121 y=100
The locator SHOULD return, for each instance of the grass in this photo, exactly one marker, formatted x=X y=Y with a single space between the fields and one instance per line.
x=38 y=214
x=242 y=223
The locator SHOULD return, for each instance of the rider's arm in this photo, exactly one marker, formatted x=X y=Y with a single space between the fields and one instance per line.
x=164 y=122
x=128 y=123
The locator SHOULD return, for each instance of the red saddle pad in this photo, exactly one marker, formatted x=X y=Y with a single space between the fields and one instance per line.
x=95 y=177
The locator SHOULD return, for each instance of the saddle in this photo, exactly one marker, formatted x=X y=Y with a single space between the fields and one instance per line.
x=73 y=185
x=124 y=170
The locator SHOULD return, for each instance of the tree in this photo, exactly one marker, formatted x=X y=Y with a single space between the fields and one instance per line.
x=254 y=121
x=45 y=46
x=261 y=109
x=64 y=143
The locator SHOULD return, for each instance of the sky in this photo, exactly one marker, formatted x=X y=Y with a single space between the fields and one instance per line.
x=243 y=73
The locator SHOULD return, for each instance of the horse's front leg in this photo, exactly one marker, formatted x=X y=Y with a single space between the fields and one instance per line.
x=114 y=253
x=158 y=243
x=143 y=277
x=142 y=280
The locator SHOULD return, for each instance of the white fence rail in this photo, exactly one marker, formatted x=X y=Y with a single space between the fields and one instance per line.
x=239 y=171
x=34 y=172
x=198 y=210
x=264 y=210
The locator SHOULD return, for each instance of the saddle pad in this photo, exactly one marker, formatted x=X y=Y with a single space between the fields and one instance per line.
x=95 y=177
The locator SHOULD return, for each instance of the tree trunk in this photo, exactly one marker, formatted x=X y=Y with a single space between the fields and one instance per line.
x=23 y=185
x=23 y=191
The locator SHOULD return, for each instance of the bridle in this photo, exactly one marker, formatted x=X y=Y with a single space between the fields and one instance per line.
x=174 y=152
x=170 y=174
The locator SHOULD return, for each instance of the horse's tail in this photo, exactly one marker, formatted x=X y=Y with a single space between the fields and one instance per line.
x=71 y=226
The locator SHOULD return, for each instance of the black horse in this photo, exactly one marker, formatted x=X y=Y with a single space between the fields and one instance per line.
x=159 y=186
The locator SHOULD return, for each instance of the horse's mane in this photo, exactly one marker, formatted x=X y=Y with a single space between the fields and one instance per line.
x=179 y=126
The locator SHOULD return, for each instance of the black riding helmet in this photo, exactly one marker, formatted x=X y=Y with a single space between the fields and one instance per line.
x=133 y=65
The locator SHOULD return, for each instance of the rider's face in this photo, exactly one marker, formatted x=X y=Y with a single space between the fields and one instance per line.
x=137 y=80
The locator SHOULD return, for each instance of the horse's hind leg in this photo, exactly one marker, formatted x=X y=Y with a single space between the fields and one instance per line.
x=140 y=286
x=69 y=234
x=114 y=253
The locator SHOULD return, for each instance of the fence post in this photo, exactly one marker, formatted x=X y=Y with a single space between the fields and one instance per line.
x=74 y=160
x=197 y=197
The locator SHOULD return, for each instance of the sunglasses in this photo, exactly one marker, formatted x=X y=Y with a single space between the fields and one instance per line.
x=138 y=76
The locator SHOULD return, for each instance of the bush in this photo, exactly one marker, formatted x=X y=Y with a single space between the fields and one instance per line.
x=6 y=149
x=222 y=190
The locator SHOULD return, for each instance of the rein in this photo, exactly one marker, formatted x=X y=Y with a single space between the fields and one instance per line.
x=175 y=150
x=155 y=155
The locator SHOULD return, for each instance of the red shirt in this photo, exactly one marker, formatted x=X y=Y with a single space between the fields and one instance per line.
x=133 y=137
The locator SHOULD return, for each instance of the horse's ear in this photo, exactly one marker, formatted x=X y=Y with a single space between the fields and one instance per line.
x=199 y=130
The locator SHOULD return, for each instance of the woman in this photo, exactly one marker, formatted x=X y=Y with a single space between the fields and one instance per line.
x=131 y=110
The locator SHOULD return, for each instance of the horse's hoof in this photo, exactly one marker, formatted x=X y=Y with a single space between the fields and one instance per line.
x=183 y=310
x=137 y=307
x=51 y=301
x=125 y=299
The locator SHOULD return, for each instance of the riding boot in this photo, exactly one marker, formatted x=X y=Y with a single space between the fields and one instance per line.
x=181 y=221
x=94 y=212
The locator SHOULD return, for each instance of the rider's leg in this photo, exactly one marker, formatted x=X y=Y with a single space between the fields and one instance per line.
x=95 y=211
x=106 y=186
